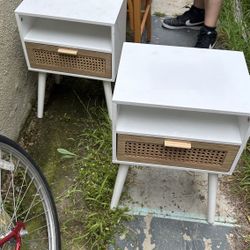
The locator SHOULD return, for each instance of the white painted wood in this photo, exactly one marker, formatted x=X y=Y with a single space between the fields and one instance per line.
x=188 y=125
x=212 y=191
x=93 y=25
x=182 y=93
x=76 y=29
x=78 y=24
x=88 y=11
x=69 y=74
x=115 y=161
x=243 y=126
x=41 y=93
x=244 y=143
x=24 y=24
x=119 y=37
x=114 y=120
x=119 y=183
x=183 y=78
x=70 y=34
x=108 y=96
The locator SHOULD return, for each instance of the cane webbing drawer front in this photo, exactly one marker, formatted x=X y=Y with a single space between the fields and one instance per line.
x=201 y=155
x=75 y=61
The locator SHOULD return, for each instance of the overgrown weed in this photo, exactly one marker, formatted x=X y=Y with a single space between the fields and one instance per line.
x=235 y=35
x=235 y=26
x=94 y=185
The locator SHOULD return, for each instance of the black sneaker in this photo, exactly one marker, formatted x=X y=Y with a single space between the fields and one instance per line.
x=206 y=38
x=192 y=19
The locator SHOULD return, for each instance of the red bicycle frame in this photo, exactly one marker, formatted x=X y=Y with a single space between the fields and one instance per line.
x=15 y=233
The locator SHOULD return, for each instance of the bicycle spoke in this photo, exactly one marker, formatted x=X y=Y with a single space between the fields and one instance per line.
x=40 y=201
x=37 y=229
x=7 y=193
x=38 y=239
x=21 y=189
x=37 y=216
x=10 y=183
x=31 y=181
x=21 y=200
x=31 y=205
x=13 y=194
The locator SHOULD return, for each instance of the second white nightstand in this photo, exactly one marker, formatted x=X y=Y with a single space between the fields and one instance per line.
x=180 y=108
x=75 y=38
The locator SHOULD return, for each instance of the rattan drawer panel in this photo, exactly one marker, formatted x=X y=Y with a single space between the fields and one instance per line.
x=86 y=62
x=206 y=156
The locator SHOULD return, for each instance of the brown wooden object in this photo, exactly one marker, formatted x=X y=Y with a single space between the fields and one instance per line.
x=140 y=18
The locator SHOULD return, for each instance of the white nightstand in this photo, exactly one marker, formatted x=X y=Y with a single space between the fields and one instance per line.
x=72 y=37
x=180 y=108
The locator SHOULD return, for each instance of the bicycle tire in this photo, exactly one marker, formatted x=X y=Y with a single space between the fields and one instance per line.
x=26 y=168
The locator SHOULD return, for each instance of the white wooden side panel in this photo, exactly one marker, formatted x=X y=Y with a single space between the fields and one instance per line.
x=24 y=25
x=115 y=109
x=115 y=161
x=244 y=143
x=243 y=126
x=119 y=37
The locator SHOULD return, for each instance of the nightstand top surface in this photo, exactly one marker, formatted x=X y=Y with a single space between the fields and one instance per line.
x=91 y=11
x=214 y=81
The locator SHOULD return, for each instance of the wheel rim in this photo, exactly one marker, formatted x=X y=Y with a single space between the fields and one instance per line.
x=23 y=197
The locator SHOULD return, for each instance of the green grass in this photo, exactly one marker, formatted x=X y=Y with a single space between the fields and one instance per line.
x=235 y=35
x=94 y=185
x=235 y=27
x=243 y=177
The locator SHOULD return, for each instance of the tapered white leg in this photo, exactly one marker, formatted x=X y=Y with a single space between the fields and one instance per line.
x=41 y=93
x=108 y=96
x=212 y=192
x=119 y=183
x=58 y=79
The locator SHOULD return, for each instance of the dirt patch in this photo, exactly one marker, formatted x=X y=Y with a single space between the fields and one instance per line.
x=170 y=7
x=236 y=240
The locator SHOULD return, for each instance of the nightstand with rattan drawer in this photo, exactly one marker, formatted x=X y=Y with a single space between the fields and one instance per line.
x=181 y=108
x=71 y=37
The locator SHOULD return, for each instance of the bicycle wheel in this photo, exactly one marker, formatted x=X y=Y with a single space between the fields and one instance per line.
x=28 y=217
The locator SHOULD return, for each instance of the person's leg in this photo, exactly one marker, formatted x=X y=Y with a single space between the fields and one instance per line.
x=212 y=11
x=208 y=35
x=193 y=18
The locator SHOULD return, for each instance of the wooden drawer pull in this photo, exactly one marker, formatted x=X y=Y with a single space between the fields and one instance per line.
x=177 y=144
x=70 y=52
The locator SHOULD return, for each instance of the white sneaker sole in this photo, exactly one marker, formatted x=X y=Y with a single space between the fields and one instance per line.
x=164 y=25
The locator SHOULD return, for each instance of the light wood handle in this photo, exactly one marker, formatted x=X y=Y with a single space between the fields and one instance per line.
x=177 y=144
x=70 y=52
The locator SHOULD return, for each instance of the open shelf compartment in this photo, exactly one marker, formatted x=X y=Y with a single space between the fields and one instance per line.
x=176 y=124
x=69 y=34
